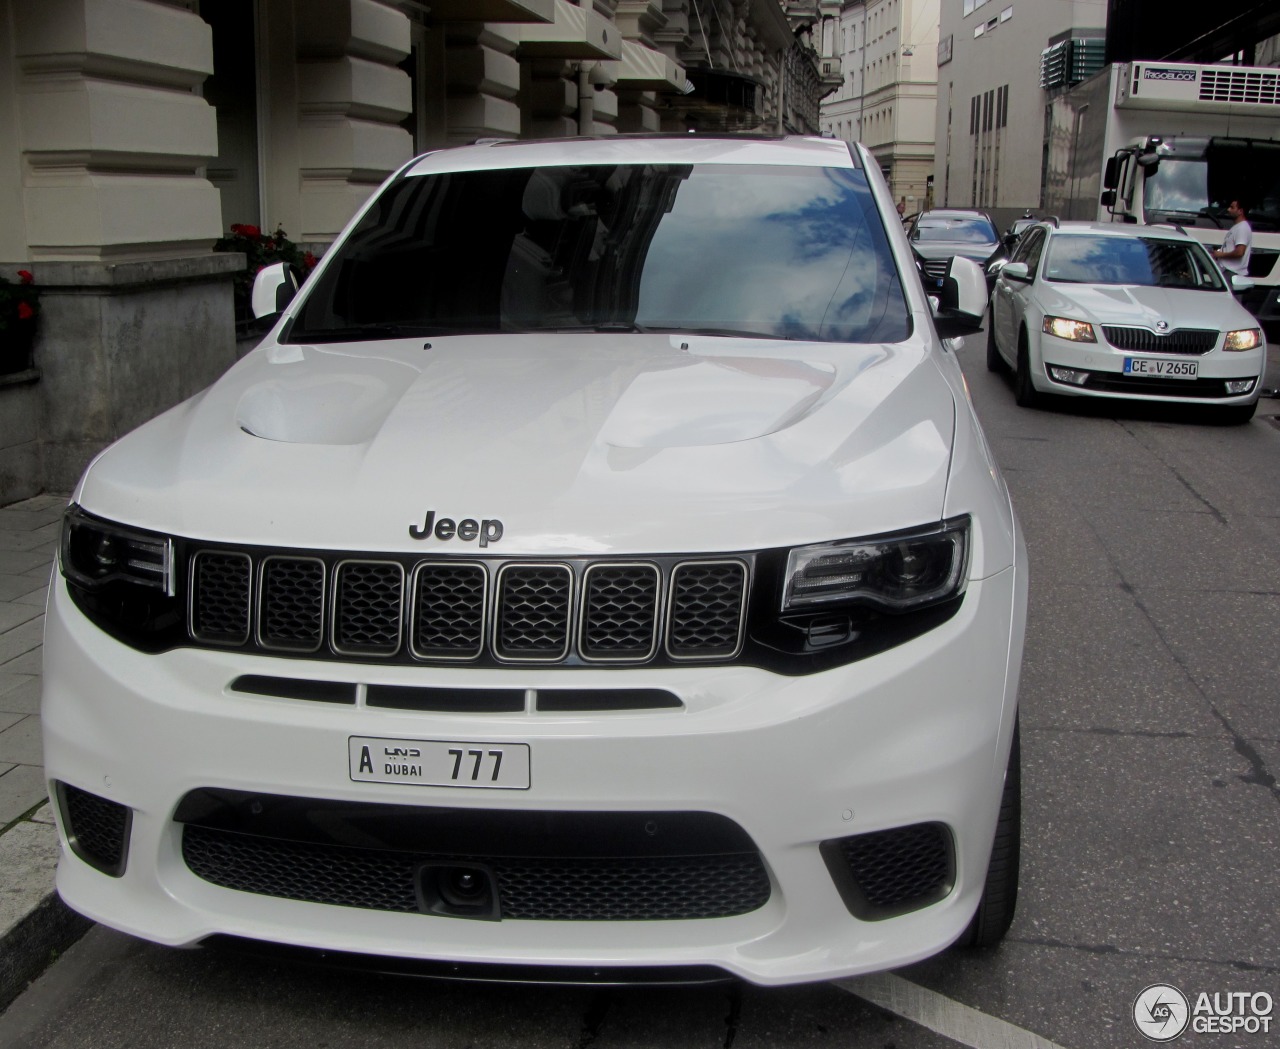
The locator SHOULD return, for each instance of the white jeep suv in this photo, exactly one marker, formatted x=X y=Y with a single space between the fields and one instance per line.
x=598 y=572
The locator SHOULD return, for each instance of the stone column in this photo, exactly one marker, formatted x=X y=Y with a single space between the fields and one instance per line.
x=351 y=99
x=102 y=174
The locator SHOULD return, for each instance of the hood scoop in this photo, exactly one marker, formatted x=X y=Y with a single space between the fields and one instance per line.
x=705 y=401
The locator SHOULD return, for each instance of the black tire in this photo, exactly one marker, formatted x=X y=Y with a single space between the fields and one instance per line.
x=1000 y=891
x=1024 y=392
x=995 y=363
x=1234 y=414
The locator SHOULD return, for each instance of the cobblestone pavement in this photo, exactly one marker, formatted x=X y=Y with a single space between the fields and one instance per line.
x=30 y=916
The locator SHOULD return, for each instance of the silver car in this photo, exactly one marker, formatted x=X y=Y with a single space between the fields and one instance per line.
x=1141 y=312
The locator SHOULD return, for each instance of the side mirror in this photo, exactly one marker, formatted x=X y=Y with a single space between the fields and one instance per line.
x=1108 y=198
x=1018 y=271
x=995 y=266
x=273 y=289
x=1239 y=282
x=962 y=299
x=1111 y=175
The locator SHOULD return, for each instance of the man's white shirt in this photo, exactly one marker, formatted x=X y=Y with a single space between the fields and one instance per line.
x=1240 y=233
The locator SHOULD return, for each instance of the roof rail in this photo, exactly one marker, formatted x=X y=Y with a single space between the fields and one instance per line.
x=1051 y=218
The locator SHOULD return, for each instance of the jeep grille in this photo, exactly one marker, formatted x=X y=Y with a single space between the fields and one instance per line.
x=491 y=610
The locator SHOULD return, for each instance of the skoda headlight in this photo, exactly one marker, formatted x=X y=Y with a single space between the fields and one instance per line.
x=1065 y=328
x=1245 y=339
x=897 y=572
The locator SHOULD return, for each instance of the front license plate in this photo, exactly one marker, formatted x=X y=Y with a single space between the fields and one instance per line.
x=439 y=762
x=1163 y=369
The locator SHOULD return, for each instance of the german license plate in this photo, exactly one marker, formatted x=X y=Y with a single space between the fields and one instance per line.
x=1162 y=369
x=439 y=762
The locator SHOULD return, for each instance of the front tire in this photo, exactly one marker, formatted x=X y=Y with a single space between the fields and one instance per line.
x=995 y=363
x=1024 y=391
x=1000 y=891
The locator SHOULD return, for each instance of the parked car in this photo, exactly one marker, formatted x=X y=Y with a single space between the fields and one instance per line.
x=1111 y=310
x=941 y=234
x=597 y=573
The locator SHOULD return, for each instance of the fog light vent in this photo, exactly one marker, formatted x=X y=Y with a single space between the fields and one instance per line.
x=890 y=872
x=1070 y=376
x=97 y=829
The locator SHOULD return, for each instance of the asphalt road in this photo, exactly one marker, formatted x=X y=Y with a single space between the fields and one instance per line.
x=1151 y=741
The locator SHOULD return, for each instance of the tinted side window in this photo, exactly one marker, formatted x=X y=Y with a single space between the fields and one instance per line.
x=1030 y=250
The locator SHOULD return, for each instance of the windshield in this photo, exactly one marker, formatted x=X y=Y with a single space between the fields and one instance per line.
x=1145 y=261
x=963 y=230
x=773 y=251
x=1196 y=191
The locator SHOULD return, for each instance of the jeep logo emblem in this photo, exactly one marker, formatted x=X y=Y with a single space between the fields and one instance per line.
x=468 y=529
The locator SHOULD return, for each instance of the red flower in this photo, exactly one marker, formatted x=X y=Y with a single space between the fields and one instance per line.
x=25 y=312
x=240 y=229
x=309 y=260
x=26 y=277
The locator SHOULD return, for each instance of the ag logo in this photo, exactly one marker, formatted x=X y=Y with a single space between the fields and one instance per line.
x=1161 y=1012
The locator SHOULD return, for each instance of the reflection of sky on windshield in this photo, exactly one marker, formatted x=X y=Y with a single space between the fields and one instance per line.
x=786 y=252
x=1178 y=185
x=1082 y=259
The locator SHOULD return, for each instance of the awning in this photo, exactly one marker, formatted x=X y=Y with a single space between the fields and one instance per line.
x=644 y=69
x=492 y=10
x=576 y=33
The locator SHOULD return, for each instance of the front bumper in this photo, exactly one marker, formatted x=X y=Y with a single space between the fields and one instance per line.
x=1107 y=379
x=914 y=735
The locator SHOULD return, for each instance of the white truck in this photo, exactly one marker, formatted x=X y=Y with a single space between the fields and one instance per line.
x=1168 y=142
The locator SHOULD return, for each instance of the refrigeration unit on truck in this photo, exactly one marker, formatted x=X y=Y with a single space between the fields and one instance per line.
x=1167 y=142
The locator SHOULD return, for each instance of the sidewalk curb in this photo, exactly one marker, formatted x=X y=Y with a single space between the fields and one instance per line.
x=29 y=947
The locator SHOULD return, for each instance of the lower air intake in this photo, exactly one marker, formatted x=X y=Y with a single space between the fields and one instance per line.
x=890 y=872
x=97 y=829
x=539 y=888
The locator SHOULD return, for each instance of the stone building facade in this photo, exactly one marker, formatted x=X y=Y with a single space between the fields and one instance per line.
x=889 y=93
x=133 y=133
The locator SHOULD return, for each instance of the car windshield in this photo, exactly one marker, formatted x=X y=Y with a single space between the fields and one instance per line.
x=1147 y=261
x=974 y=230
x=773 y=251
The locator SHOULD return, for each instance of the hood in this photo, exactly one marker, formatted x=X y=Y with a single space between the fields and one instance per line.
x=1133 y=305
x=574 y=443
x=945 y=249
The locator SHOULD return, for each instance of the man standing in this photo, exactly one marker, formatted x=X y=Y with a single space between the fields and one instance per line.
x=1233 y=256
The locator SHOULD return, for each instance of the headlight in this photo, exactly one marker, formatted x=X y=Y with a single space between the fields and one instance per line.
x=1245 y=339
x=122 y=578
x=96 y=552
x=1065 y=328
x=895 y=572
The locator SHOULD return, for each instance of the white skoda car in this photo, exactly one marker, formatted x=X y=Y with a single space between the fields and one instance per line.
x=1119 y=311
x=598 y=573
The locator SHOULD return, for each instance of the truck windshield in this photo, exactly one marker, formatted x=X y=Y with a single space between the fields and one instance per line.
x=1144 y=261
x=766 y=251
x=1200 y=188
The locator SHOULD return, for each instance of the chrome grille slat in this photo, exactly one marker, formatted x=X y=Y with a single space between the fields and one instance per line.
x=535 y=602
x=708 y=603
x=367 y=605
x=221 y=585
x=1144 y=340
x=291 y=603
x=585 y=610
x=448 y=610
